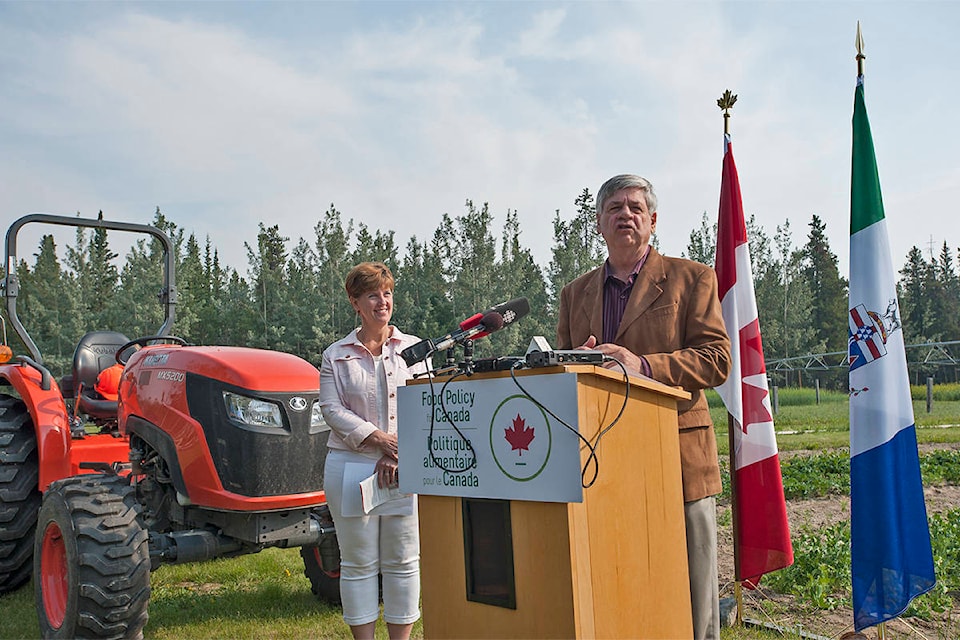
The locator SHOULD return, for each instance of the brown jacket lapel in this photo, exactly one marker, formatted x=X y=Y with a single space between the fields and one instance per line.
x=646 y=290
x=593 y=304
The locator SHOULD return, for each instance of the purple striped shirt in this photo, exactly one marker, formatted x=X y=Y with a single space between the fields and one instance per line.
x=616 y=294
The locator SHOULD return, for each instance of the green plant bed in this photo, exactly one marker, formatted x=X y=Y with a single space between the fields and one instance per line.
x=828 y=473
x=820 y=573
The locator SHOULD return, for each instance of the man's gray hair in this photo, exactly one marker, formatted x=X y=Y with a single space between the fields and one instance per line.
x=627 y=181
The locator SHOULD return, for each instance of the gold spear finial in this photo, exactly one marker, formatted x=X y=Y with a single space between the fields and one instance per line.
x=726 y=102
x=860 y=56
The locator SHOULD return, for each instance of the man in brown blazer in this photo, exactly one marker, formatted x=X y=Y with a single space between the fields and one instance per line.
x=661 y=317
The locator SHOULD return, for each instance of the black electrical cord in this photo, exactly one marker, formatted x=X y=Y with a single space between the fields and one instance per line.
x=446 y=416
x=591 y=446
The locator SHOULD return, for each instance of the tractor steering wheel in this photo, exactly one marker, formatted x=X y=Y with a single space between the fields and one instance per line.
x=122 y=356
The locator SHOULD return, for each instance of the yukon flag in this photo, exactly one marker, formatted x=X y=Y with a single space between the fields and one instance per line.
x=891 y=560
x=763 y=533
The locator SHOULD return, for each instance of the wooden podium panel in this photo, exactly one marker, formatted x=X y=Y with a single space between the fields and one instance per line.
x=612 y=566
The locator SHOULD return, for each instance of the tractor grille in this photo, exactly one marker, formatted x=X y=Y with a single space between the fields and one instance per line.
x=260 y=461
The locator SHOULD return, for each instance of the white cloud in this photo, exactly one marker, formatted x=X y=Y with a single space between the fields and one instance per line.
x=398 y=116
x=540 y=40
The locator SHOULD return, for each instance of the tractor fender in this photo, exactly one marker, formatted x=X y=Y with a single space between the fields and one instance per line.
x=163 y=443
x=51 y=422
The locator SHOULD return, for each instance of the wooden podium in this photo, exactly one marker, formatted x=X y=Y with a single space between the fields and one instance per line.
x=611 y=566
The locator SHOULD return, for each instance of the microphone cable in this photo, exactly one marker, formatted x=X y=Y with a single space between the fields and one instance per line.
x=446 y=416
x=591 y=446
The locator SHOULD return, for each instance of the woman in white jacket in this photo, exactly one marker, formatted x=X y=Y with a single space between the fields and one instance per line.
x=359 y=377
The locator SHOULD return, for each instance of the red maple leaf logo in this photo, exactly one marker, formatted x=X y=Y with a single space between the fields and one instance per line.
x=519 y=435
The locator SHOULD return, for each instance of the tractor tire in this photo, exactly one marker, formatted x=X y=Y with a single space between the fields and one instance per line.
x=19 y=493
x=324 y=584
x=91 y=560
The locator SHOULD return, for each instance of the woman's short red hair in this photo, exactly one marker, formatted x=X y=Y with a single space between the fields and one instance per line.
x=367 y=277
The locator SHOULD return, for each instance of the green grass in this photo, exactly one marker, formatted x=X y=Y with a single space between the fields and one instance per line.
x=803 y=424
x=264 y=595
x=941 y=392
x=251 y=597
x=756 y=632
x=18 y=617
x=267 y=596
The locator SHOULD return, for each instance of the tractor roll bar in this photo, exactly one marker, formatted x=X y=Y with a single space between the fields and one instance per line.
x=11 y=282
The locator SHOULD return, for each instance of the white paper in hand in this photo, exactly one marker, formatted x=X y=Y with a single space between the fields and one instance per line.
x=362 y=496
x=372 y=495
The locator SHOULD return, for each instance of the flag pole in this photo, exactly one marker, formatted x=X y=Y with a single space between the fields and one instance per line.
x=859 y=45
x=726 y=102
x=881 y=627
x=735 y=522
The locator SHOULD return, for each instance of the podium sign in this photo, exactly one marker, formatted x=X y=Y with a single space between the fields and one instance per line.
x=521 y=451
x=611 y=563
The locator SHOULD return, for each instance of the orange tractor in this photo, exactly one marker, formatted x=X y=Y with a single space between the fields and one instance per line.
x=189 y=453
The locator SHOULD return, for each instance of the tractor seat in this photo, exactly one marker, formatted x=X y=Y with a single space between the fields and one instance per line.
x=97 y=351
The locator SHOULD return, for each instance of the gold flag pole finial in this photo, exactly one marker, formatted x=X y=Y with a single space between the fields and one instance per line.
x=860 y=56
x=726 y=102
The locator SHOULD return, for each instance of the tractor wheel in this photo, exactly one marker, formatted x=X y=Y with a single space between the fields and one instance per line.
x=19 y=495
x=324 y=584
x=91 y=560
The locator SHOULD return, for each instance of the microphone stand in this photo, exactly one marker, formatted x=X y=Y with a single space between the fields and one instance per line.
x=467 y=365
x=450 y=365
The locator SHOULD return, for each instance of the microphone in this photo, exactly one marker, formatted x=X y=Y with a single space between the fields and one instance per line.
x=474 y=327
x=510 y=311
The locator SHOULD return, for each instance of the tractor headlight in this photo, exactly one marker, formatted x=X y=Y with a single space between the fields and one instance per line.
x=316 y=416
x=252 y=411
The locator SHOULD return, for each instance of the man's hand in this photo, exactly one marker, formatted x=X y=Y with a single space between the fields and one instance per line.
x=591 y=343
x=628 y=358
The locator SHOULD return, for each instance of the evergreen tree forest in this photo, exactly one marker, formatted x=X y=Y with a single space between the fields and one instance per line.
x=802 y=298
x=291 y=297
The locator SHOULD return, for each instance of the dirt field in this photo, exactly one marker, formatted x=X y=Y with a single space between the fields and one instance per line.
x=833 y=624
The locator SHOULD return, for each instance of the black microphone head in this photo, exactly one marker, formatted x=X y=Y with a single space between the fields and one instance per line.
x=492 y=321
x=417 y=353
x=512 y=310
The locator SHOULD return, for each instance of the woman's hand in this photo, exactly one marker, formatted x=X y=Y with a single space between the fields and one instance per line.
x=387 y=464
x=383 y=442
x=387 y=473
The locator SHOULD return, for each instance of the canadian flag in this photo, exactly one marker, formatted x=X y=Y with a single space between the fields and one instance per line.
x=761 y=530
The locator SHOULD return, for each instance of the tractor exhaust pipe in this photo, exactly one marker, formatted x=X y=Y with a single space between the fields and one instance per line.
x=179 y=547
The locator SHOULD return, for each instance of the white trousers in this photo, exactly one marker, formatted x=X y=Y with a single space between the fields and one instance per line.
x=701 y=525
x=373 y=546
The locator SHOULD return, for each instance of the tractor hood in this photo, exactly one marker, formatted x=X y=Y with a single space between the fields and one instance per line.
x=253 y=369
x=241 y=426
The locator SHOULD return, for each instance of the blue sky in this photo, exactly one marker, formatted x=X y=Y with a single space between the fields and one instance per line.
x=227 y=114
